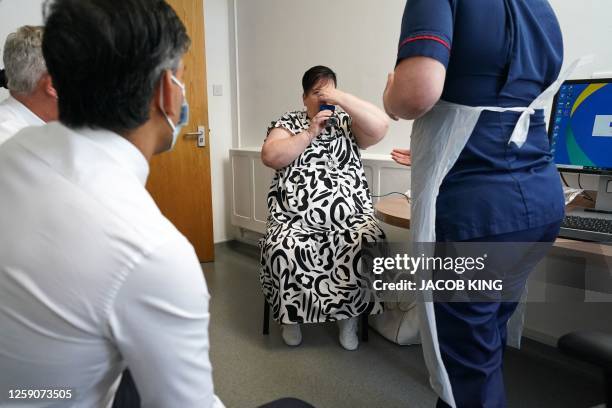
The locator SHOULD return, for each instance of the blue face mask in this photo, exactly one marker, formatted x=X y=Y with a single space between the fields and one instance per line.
x=184 y=115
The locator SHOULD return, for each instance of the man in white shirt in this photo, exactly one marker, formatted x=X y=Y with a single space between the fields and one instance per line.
x=93 y=278
x=33 y=99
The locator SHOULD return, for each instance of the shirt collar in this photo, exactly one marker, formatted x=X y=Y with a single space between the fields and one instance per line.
x=120 y=149
x=23 y=111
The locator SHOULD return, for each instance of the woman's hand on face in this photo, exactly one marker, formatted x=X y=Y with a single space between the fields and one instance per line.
x=390 y=79
x=402 y=156
x=331 y=95
x=318 y=123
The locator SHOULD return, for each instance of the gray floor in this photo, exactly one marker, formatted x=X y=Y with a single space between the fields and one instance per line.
x=250 y=369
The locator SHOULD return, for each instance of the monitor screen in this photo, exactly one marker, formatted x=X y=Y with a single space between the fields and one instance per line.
x=581 y=126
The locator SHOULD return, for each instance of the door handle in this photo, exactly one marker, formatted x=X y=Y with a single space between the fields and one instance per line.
x=200 y=135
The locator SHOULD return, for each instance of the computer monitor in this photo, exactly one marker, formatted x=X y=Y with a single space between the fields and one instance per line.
x=580 y=130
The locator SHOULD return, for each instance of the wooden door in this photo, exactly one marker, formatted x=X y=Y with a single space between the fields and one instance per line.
x=180 y=180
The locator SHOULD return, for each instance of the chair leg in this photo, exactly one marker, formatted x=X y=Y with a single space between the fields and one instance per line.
x=608 y=386
x=364 y=327
x=266 y=318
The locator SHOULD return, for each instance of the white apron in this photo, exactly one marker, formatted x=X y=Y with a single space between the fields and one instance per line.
x=437 y=140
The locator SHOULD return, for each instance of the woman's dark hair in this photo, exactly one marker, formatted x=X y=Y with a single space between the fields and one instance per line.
x=3 y=80
x=107 y=56
x=315 y=74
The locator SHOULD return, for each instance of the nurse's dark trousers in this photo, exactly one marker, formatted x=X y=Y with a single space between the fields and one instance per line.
x=472 y=336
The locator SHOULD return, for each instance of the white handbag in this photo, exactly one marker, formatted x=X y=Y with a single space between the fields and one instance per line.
x=399 y=323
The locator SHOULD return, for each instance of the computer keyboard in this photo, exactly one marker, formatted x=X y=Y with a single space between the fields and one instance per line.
x=587 y=228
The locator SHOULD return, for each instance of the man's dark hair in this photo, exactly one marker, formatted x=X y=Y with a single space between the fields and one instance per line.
x=315 y=74
x=106 y=57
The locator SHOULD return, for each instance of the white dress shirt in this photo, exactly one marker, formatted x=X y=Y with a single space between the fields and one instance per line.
x=14 y=116
x=93 y=278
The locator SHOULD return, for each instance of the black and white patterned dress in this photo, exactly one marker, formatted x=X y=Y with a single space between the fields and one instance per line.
x=320 y=209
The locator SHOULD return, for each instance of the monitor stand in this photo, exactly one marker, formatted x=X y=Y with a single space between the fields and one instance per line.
x=603 y=204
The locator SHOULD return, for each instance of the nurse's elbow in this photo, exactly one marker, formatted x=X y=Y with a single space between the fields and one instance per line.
x=415 y=106
x=419 y=82
x=418 y=112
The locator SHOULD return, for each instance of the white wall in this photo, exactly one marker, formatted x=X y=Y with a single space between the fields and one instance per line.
x=219 y=60
x=279 y=39
x=586 y=30
x=14 y=14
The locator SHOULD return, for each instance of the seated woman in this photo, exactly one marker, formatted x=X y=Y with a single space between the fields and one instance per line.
x=320 y=209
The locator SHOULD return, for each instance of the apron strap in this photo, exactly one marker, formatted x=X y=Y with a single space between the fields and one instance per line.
x=519 y=135
x=521 y=130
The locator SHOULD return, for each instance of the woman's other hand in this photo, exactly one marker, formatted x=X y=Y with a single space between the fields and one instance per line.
x=402 y=156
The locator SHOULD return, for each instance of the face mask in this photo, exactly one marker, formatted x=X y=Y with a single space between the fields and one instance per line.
x=184 y=115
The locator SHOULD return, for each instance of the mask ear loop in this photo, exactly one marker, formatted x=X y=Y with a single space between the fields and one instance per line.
x=184 y=117
x=161 y=106
x=180 y=85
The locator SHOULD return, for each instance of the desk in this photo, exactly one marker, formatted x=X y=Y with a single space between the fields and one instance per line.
x=395 y=211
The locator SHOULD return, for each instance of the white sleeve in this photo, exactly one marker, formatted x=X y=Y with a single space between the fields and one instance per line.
x=159 y=321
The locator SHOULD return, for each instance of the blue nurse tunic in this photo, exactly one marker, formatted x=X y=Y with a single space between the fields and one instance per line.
x=497 y=53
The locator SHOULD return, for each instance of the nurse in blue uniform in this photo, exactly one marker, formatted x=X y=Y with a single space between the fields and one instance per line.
x=501 y=53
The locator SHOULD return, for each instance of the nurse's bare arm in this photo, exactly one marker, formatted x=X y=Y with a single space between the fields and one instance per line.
x=414 y=88
x=369 y=123
x=282 y=147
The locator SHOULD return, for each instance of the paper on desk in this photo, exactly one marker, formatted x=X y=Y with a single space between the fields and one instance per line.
x=571 y=194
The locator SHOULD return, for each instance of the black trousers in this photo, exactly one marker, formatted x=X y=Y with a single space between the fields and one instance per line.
x=127 y=397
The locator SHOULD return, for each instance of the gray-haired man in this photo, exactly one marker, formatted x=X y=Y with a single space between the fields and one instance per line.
x=32 y=100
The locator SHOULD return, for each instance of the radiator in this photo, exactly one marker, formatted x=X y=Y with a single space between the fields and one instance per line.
x=251 y=183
